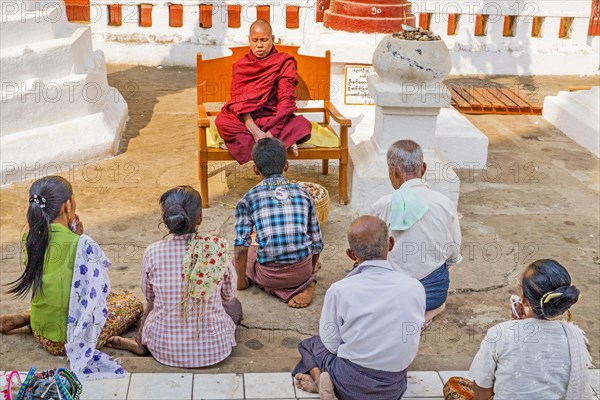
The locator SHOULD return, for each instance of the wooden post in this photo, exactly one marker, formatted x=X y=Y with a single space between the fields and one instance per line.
x=175 y=15
x=292 y=17
x=263 y=12
x=206 y=11
x=594 y=29
x=234 y=19
x=115 y=15
x=78 y=10
x=146 y=15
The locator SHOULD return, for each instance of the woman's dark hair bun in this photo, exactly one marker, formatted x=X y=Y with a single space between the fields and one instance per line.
x=559 y=305
x=542 y=279
x=181 y=209
x=177 y=220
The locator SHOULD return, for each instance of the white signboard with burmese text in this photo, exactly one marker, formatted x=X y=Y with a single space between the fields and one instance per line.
x=356 y=90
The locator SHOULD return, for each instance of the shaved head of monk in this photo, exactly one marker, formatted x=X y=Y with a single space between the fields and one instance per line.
x=261 y=38
x=369 y=239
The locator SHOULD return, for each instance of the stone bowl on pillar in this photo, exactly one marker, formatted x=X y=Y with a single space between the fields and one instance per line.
x=408 y=92
x=399 y=60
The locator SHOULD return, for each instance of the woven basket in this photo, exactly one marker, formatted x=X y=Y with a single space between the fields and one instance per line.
x=322 y=205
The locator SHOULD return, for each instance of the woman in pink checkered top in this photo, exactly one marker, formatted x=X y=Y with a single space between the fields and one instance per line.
x=190 y=285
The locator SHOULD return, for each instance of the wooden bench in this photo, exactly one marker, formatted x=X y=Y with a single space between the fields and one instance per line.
x=213 y=81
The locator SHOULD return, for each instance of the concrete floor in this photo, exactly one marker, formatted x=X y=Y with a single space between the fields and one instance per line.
x=539 y=198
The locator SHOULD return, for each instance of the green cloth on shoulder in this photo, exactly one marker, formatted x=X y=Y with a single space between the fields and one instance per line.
x=319 y=136
x=407 y=208
x=50 y=307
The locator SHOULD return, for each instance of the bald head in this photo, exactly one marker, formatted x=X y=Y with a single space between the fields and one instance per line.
x=368 y=238
x=261 y=38
x=263 y=25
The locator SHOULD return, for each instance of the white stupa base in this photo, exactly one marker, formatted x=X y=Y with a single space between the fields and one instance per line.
x=57 y=107
x=370 y=180
x=37 y=152
x=577 y=114
x=457 y=140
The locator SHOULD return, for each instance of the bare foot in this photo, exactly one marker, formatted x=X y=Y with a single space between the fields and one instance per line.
x=326 y=387
x=306 y=383
x=8 y=322
x=316 y=267
x=303 y=298
x=244 y=285
x=431 y=314
x=294 y=149
x=121 y=343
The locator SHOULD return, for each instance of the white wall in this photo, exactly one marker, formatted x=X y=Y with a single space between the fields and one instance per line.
x=489 y=54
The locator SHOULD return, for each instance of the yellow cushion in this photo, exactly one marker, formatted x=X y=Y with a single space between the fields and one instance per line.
x=319 y=136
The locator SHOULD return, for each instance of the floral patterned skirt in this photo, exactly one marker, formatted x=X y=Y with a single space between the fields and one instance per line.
x=124 y=310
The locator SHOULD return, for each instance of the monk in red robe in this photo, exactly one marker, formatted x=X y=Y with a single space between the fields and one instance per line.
x=263 y=98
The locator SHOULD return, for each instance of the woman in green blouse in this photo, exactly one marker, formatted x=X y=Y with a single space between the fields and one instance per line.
x=51 y=247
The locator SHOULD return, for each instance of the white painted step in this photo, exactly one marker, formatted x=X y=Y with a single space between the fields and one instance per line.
x=47 y=149
x=589 y=99
x=577 y=115
x=48 y=60
x=37 y=103
x=26 y=22
x=459 y=141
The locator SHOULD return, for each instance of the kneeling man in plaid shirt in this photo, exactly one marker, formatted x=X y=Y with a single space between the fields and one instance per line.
x=288 y=236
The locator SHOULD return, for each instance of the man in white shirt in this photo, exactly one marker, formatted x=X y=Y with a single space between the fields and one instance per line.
x=370 y=325
x=423 y=222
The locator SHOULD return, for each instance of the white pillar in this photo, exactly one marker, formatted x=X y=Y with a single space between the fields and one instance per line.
x=408 y=93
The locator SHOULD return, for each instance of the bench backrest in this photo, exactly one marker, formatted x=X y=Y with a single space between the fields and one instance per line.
x=213 y=77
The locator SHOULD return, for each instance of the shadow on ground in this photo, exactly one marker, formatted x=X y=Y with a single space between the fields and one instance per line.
x=537 y=199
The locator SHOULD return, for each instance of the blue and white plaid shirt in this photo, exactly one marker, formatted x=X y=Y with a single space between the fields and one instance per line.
x=285 y=220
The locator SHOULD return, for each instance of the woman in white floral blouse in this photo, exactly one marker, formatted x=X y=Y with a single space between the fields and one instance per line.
x=537 y=355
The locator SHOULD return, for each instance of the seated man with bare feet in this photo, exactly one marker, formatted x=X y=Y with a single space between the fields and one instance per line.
x=370 y=325
x=288 y=235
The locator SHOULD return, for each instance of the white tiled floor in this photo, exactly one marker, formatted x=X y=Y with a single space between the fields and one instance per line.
x=426 y=383
x=218 y=386
x=594 y=380
x=115 y=389
x=269 y=386
x=160 y=386
x=266 y=386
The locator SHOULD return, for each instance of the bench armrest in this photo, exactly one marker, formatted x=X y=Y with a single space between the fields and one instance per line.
x=203 y=121
x=336 y=115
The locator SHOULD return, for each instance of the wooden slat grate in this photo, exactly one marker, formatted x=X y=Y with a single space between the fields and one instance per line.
x=492 y=100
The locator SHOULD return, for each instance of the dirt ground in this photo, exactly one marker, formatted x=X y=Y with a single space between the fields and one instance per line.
x=539 y=198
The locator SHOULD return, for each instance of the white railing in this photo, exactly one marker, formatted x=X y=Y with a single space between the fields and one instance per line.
x=489 y=36
x=549 y=14
x=220 y=34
